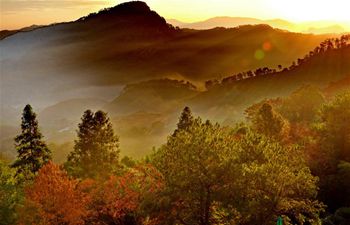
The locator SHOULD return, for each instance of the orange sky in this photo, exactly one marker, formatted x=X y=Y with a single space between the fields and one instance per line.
x=20 y=13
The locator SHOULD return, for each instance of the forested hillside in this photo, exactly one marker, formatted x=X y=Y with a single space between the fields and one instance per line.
x=119 y=118
x=224 y=101
x=290 y=160
x=88 y=58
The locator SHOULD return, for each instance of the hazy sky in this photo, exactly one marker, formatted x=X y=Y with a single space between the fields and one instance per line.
x=20 y=13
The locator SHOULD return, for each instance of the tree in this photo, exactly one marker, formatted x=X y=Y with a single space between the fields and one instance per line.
x=215 y=175
x=32 y=150
x=120 y=199
x=302 y=105
x=209 y=84
x=195 y=165
x=335 y=122
x=270 y=123
x=96 y=150
x=334 y=141
x=54 y=198
x=251 y=112
x=272 y=180
x=128 y=162
x=185 y=120
x=10 y=194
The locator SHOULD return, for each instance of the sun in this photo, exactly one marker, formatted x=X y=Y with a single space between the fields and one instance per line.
x=310 y=10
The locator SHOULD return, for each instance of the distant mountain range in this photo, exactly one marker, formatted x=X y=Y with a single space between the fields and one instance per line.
x=314 y=27
x=96 y=55
x=128 y=61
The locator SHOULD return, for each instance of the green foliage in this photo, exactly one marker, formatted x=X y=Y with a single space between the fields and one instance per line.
x=195 y=164
x=335 y=120
x=96 y=150
x=207 y=174
x=273 y=180
x=326 y=141
x=185 y=121
x=270 y=123
x=217 y=176
x=302 y=105
x=128 y=161
x=32 y=150
x=10 y=194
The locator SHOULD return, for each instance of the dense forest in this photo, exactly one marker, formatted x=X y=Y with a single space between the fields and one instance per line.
x=290 y=159
x=265 y=146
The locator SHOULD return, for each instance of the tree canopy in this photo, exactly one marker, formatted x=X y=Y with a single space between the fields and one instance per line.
x=213 y=174
x=96 y=151
x=32 y=150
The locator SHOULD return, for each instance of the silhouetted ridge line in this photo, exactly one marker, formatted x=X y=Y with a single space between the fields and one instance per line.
x=326 y=46
x=128 y=15
x=127 y=8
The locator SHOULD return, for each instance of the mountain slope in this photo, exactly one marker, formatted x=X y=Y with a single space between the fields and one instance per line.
x=128 y=57
x=320 y=68
x=315 y=27
x=144 y=113
x=229 y=22
x=126 y=44
x=155 y=96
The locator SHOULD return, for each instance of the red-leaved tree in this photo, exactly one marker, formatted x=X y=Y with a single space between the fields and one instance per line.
x=54 y=198
x=120 y=200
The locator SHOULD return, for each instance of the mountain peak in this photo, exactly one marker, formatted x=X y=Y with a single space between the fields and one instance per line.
x=130 y=8
x=123 y=9
x=126 y=16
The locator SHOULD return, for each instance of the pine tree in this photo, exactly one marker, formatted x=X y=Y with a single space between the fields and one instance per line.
x=96 y=150
x=33 y=153
x=270 y=123
x=185 y=121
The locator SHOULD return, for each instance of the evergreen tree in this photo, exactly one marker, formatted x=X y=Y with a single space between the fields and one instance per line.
x=32 y=150
x=269 y=122
x=185 y=121
x=97 y=149
x=214 y=175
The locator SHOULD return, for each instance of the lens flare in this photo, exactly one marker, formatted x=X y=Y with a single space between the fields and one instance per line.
x=267 y=46
x=259 y=54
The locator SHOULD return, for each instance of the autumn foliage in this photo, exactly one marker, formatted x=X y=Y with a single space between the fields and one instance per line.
x=284 y=164
x=55 y=199
x=120 y=198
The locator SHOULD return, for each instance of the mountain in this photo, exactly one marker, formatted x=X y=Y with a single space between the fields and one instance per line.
x=60 y=120
x=144 y=113
x=95 y=56
x=155 y=96
x=139 y=132
x=321 y=67
x=315 y=27
x=58 y=123
x=327 y=29
x=7 y=33
x=338 y=86
x=70 y=110
x=230 y=22
x=131 y=58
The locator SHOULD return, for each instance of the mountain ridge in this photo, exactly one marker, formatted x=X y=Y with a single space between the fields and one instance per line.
x=230 y=22
x=77 y=60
